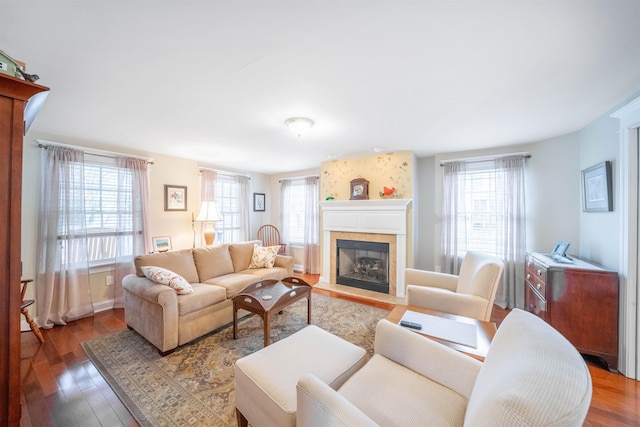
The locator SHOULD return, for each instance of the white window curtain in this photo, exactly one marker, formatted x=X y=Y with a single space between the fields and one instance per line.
x=62 y=278
x=132 y=225
x=299 y=218
x=483 y=208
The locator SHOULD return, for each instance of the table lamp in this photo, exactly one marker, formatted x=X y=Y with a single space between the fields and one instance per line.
x=208 y=214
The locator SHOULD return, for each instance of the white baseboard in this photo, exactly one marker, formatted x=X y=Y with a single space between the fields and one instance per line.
x=298 y=268
x=103 y=305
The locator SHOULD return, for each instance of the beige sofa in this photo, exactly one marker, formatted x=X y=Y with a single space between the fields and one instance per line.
x=216 y=274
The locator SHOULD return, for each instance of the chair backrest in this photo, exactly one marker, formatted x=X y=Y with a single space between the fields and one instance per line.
x=480 y=275
x=532 y=376
x=269 y=235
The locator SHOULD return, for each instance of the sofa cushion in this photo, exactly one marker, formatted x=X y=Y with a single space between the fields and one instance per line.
x=234 y=282
x=212 y=262
x=409 y=399
x=277 y=273
x=203 y=296
x=263 y=256
x=162 y=276
x=180 y=262
x=241 y=254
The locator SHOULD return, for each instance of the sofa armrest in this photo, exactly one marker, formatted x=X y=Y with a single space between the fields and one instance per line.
x=430 y=278
x=448 y=302
x=320 y=405
x=429 y=358
x=152 y=311
x=285 y=261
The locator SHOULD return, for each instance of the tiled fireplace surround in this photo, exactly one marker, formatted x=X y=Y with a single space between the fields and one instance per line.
x=383 y=220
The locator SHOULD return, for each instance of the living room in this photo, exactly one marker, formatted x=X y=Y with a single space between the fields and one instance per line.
x=558 y=153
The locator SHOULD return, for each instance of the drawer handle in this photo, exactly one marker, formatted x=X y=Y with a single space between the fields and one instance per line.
x=532 y=306
x=539 y=272
x=528 y=276
x=538 y=286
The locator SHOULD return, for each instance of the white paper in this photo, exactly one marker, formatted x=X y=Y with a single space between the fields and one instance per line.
x=443 y=328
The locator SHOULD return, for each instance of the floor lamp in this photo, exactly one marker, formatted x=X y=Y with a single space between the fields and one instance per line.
x=208 y=214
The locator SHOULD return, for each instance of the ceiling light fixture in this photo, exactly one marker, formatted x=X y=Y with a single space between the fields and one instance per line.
x=299 y=125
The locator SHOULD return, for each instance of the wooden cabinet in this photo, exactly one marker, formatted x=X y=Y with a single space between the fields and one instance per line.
x=579 y=299
x=14 y=94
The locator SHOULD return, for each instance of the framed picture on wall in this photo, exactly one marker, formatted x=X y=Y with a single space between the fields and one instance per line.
x=597 y=194
x=258 y=202
x=175 y=198
x=161 y=244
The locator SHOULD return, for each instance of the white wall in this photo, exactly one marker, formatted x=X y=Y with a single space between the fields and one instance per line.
x=600 y=231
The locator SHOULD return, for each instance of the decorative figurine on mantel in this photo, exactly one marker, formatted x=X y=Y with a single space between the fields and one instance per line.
x=388 y=193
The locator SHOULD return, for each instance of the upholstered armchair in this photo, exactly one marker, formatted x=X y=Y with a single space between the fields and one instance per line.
x=532 y=376
x=470 y=294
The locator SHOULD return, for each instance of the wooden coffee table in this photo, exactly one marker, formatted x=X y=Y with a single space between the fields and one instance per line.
x=485 y=330
x=270 y=296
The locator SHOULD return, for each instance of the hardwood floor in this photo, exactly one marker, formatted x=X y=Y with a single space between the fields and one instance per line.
x=61 y=387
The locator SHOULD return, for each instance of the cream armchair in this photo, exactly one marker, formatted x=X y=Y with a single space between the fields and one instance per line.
x=532 y=376
x=470 y=294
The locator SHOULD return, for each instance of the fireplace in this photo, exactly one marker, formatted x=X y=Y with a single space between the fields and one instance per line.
x=363 y=265
x=382 y=221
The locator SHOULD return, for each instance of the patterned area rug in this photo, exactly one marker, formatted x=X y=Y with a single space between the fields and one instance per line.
x=194 y=385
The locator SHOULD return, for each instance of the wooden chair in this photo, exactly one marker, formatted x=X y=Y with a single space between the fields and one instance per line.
x=270 y=236
x=23 y=309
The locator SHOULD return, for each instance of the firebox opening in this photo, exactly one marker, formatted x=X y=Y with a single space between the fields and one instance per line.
x=363 y=265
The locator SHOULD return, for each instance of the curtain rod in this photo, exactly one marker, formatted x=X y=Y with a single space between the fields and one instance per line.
x=291 y=178
x=221 y=172
x=94 y=151
x=484 y=158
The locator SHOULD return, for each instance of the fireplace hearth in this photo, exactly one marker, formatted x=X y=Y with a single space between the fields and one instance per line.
x=363 y=265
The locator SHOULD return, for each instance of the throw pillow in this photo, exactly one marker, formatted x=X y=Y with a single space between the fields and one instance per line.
x=163 y=276
x=263 y=256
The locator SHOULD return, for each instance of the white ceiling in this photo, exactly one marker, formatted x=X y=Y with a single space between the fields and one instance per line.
x=215 y=80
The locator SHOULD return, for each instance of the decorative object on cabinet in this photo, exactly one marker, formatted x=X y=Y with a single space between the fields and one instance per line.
x=175 y=198
x=597 y=194
x=579 y=299
x=359 y=189
x=161 y=244
x=258 y=202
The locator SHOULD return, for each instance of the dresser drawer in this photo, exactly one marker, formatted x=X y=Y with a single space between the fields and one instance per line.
x=534 y=303
x=535 y=270
x=534 y=281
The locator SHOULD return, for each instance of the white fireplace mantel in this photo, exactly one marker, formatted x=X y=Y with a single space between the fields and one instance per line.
x=381 y=216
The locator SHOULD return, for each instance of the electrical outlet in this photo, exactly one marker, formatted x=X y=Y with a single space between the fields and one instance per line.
x=108 y=280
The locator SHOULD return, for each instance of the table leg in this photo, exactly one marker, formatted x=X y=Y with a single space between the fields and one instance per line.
x=267 y=327
x=309 y=309
x=235 y=321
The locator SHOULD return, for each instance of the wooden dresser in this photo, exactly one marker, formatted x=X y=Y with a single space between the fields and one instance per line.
x=14 y=94
x=579 y=299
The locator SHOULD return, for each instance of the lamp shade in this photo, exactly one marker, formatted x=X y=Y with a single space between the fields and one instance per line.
x=209 y=212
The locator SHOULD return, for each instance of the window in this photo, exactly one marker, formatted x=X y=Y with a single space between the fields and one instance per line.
x=108 y=195
x=296 y=205
x=227 y=196
x=480 y=212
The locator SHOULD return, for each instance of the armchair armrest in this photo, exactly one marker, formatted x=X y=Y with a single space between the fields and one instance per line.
x=320 y=405
x=430 y=278
x=427 y=357
x=448 y=302
x=285 y=261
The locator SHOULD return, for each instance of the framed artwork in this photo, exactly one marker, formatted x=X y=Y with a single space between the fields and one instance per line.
x=359 y=189
x=175 y=198
x=258 y=202
x=161 y=244
x=597 y=193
